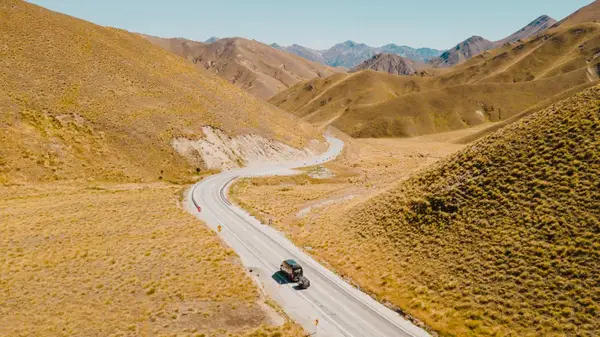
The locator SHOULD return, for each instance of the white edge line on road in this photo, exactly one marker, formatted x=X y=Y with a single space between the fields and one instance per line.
x=268 y=265
x=369 y=306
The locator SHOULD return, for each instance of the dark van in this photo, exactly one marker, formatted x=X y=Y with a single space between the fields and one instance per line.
x=291 y=269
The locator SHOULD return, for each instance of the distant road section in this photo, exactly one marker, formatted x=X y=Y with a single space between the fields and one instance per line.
x=330 y=307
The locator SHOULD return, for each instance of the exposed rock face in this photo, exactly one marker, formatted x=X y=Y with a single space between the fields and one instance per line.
x=388 y=63
x=218 y=151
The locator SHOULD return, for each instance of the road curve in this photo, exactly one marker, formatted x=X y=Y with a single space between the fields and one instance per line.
x=341 y=310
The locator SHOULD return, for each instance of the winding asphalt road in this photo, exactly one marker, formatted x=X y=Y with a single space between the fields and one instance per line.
x=341 y=310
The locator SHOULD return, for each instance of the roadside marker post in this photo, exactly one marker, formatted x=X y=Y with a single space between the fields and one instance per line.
x=219 y=228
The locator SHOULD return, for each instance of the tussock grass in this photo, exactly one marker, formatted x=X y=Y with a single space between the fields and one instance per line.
x=125 y=260
x=501 y=238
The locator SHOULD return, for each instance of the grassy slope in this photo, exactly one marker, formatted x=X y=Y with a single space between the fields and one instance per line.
x=502 y=237
x=84 y=101
x=253 y=66
x=588 y=13
x=500 y=84
x=118 y=260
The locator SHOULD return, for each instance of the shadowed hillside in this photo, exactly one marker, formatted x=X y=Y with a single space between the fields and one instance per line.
x=501 y=237
x=84 y=101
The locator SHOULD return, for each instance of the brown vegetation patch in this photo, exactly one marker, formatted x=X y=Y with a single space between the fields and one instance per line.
x=118 y=260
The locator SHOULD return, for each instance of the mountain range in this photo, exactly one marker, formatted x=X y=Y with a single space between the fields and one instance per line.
x=349 y=54
x=492 y=86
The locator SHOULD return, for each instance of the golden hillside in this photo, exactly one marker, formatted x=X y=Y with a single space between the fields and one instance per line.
x=253 y=66
x=180 y=46
x=501 y=237
x=493 y=86
x=95 y=260
x=84 y=101
x=498 y=239
x=589 y=13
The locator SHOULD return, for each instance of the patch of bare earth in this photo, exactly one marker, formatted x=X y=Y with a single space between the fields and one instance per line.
x=120 y=260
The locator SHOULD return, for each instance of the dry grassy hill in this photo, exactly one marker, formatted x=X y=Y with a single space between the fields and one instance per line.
x=589 y=13
x=84 y=101
x=493 y=86
x=185 y=48
x=505 y=232
x=96 y=260
x=253 y=66
x=501 y=238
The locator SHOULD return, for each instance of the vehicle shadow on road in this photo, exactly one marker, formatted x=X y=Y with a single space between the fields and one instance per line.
x=280 y=278
x=298 y=288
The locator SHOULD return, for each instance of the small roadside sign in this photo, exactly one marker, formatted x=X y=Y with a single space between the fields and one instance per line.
x=219 y=228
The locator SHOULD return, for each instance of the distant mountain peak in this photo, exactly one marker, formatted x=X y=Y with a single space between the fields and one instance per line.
x=474 y=38
x=463 y=51
x=533 y=28
x=387 y=63
x=349 y=54
x=352 y=44
x=212 y=39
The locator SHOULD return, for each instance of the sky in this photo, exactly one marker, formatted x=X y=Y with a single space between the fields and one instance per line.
x=320 y=24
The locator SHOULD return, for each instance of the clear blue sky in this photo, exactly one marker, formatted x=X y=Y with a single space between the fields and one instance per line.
x=320 y=23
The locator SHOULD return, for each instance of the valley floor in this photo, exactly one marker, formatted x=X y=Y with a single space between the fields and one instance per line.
x=121 y=260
